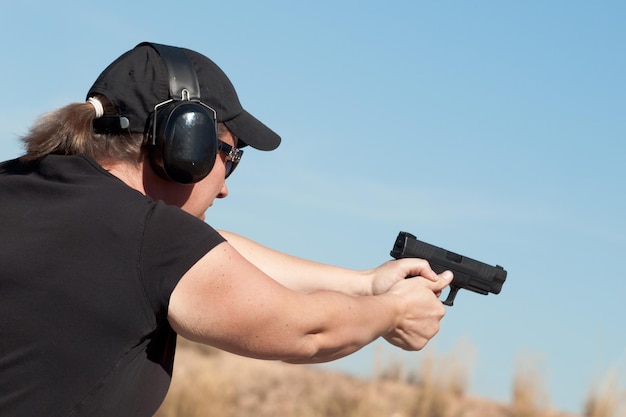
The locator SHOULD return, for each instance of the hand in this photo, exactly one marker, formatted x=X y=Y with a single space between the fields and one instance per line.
x=424 y=311
x=389 y=273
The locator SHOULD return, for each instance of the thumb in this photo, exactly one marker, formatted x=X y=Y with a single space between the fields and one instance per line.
x=443 y=280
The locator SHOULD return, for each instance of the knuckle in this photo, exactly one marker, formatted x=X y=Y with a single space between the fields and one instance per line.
x=420 y=343
x=435 y=329
x=442 y=311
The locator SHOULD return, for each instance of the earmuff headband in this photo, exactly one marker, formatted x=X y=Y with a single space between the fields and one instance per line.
x=181 y=73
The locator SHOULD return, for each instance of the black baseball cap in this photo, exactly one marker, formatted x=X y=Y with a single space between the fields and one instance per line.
x=138 y=80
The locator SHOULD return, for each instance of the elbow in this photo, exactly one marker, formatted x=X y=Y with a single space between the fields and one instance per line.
x=319 y=348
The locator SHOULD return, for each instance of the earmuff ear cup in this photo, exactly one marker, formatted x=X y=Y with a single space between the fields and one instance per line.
x=182 y=141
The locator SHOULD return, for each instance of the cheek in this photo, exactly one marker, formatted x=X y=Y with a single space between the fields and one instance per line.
x=211 y=186
x=220 y=164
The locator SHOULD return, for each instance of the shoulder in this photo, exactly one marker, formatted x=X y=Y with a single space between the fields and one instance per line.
x=15 y=166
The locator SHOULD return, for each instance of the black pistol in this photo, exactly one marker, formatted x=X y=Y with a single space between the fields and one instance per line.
x=468 y=273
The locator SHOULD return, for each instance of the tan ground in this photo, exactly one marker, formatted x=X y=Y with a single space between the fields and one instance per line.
x=211 y=383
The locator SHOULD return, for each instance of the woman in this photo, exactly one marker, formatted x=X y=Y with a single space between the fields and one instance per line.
x=105 y=256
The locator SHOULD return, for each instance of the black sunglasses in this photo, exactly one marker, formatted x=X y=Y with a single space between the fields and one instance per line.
x=233 y=156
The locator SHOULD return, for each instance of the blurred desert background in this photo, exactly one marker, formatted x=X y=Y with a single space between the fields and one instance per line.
x=212 y=383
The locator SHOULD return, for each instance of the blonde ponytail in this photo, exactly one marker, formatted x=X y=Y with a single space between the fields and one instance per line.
x=69 y=131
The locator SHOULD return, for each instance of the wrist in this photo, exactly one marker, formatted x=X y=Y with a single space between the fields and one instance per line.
x=366 y=282
x=396 y=306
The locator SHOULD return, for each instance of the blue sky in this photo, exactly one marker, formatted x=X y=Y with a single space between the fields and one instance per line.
x=495 y=129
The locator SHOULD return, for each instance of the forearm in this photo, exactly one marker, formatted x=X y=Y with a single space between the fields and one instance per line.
x=340 y=325
x=293 y=328
x=300 y=274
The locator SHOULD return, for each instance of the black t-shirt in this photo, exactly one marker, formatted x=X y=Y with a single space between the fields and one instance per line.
x=87 y=266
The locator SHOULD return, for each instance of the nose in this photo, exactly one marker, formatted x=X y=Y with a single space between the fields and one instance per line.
x=223 y=193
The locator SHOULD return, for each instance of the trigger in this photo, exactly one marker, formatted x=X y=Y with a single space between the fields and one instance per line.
x=450 y=300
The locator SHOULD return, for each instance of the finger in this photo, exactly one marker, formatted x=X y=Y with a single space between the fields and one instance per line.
x=420 y=267
x=443 y=280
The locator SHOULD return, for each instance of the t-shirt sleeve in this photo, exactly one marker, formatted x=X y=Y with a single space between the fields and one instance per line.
x=173 y=242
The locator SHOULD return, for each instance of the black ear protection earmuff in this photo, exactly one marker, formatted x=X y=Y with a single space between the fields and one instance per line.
x=181 y=134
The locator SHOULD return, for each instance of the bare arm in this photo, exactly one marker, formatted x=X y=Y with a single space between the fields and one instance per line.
x=227 y=302
x=307 y=276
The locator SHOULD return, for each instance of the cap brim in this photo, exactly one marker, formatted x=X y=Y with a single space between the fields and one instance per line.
x=250 y=131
